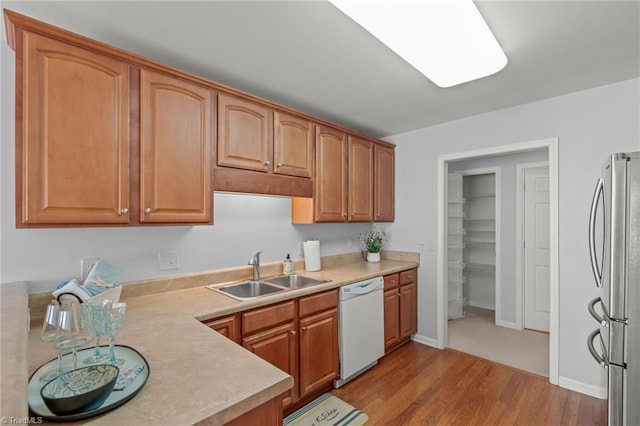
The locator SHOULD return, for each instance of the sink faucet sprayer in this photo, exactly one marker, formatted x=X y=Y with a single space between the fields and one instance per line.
x=255 y=262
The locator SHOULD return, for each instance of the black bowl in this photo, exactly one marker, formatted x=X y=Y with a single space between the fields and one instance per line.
x=80 y=390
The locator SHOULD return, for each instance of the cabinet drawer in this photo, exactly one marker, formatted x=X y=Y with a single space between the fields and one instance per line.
x=391 y=281
x=267 y=317
x=318 y=302
x=407 y=277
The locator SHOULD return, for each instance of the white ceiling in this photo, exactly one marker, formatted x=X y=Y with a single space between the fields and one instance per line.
x=309 y=56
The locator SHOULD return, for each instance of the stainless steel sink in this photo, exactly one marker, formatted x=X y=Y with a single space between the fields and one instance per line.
x=293 y=281
x=247 y=289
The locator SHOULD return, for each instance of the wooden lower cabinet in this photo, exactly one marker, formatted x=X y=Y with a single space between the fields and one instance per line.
x=400 y=308
x=318 y=352
x=408 y=322
x=229 y=327
x=267 y=414
x=279 y=347
x=299 y=336
x=391 y=317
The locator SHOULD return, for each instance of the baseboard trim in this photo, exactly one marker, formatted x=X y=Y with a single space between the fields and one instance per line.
x=424 y=340
x=591 y=390
x=483 y=306
x=508 y=324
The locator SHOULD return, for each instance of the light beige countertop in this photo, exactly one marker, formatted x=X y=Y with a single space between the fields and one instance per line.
x=196 y=374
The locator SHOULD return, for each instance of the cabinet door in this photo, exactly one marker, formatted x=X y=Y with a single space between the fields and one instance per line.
x=391 y=315
x=330 y=201
x=279 y=347
x=229 y=327
x=292 y=145
x=243 y=134
x=318 y=351
x=360 y=181
x=384 y=184
x=408 y=308
x=73 y=137
x=267 y=414
x=175 y=150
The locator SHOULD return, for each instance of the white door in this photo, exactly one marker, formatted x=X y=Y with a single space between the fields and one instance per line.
x=536 y=248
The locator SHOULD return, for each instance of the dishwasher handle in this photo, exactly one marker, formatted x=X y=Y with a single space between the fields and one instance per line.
x=361 y=288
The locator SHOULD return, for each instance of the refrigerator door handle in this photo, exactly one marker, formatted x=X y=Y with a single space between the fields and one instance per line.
x=592 y=349
x=597 y=273
x=592 y=310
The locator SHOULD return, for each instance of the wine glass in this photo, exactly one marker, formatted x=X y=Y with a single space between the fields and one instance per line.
x=110 y=320
x=90 y=322
x=71 y=333
x=50 y=335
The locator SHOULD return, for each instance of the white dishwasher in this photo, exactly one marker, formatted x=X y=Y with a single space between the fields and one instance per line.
x=361 y=325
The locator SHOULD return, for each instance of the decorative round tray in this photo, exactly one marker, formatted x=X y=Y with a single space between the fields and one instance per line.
x=132 y=359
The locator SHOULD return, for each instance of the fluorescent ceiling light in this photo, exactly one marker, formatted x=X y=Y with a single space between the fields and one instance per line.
x=446 y=40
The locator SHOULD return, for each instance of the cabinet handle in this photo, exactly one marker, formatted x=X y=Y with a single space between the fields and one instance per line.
x=279 y=165
x=124 y=211
x=147 y=210
x=399 y=295
x=344 y=214
x=305 y=328
x=267 y=163
x=293 y=332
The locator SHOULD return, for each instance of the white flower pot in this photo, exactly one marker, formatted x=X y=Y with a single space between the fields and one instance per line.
x=373 y=257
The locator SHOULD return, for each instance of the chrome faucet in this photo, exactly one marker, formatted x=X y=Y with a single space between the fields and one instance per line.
x=255 y=262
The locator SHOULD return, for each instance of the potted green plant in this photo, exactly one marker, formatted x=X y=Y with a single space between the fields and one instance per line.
x=373 y=240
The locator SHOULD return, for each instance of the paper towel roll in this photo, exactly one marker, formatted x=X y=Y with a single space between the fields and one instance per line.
x=311 y=255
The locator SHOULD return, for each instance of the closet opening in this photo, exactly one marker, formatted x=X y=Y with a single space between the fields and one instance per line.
x=472 y=273
x=484 y=276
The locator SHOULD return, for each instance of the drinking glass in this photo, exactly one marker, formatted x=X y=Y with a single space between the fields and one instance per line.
x=90 y=322
x=50 y=335
x=110 y=320
x=71 y=333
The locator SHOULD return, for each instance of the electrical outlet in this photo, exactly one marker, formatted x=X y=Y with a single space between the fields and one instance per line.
x=168 y=260
x=349 y=243
x=300 y=250
x=85 y=266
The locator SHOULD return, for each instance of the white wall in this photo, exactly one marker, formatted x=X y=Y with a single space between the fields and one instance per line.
x=243 y=224
x=590 y=125
x=507 y=165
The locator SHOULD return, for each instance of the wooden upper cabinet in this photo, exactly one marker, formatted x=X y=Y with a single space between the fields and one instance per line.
x=292 y=145
x=175 y=150
x=243 y=134
x=330 y=181
x=384 y=183
x=360 y=180
x=72 y=135
x=262 y=150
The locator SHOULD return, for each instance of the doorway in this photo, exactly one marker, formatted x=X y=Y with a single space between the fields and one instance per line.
x=473 y=260
x=551 y=147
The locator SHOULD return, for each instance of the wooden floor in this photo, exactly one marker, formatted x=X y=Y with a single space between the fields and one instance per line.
x=420 y=385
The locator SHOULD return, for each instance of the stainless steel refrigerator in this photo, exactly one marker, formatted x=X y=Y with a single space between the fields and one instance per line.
x=614 y=243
